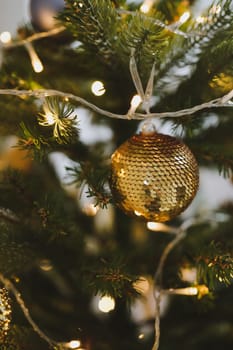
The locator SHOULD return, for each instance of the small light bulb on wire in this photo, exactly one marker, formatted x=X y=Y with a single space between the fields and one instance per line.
x=98 y=88
x=160 y=227
x=5 y=37
x=35 y=60
x=106 y=304
x=74 y=344
x=184 y=17
x=135 y=102
x=146 y=6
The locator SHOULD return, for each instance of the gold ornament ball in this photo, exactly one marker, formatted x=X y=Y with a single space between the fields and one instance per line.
x=154 y=176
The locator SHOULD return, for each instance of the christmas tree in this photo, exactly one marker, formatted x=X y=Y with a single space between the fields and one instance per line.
x=110 y=113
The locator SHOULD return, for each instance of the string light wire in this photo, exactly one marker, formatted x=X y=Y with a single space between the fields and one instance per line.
x=224 y=101
x=10 y=287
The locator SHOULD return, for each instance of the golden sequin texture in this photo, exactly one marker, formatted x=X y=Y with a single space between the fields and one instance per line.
x=5 y=313
x=154 y=176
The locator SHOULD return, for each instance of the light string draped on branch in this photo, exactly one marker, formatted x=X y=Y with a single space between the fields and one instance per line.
x=180 y=234
x=11 y=288
x=224 y=101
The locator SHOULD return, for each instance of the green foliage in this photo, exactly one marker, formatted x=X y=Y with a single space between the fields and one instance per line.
x=42 y=222
x=94 y=24
x=214 y=266
x=61 y=129
x=59 y=115
x=22 y=338
x=146 y=38
x=95 y=178
x=112 y=279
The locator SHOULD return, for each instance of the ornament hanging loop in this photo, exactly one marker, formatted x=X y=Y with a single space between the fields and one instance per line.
x=147 y=94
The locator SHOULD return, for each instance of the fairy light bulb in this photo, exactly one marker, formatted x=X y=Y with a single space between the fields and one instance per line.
x=190 y=291
x=106 y=304
x=49 y=118
x=160 y=227
x=35 y=60
x=146 y=6
x=5 y=37
x=184 y=17
x=98 y=88
x=74 y=344
x=135 y=102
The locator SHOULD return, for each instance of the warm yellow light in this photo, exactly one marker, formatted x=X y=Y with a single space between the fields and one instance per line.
x=90 y=209
x=202 y=290
x=141 y=336
x=49 y=118
x=35 y=61
x=135 y=102
x=137 y=213
x=98 y=88
x=188 y=274
x=156 y=226
x=37 y=65
x=74 y=344
x=146 y=6
x=200 y=19
x=183 y=291
x=46 y=265
x=160 y=227
x=106 y=304
x=184 y=17
x=5 y=37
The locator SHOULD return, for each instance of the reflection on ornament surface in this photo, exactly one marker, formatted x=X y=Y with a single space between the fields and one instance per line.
x=154 y=176
x=43 y=13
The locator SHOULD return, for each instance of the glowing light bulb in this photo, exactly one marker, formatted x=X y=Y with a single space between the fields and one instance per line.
x=5 y=37
x=190 y=291
x=137 y=213
x=37 y=65
x=184 y=17
x=90 y=209
x=35 y=60
x=135 y=102
x=146 y=6
x=49 y=118
x=159 y=227
x=74 y=344
x=106 y=304
x=98 y=88
x=141 y=336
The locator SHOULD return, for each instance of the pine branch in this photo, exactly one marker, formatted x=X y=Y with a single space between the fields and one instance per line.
x=94 y=24
x=95 y=178
x=146 y=38
x=112 y=279
x=183 y=55
x=214 y=267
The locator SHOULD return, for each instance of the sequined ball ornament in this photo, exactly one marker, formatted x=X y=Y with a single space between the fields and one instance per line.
x=154 y=176
x=5 y=313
